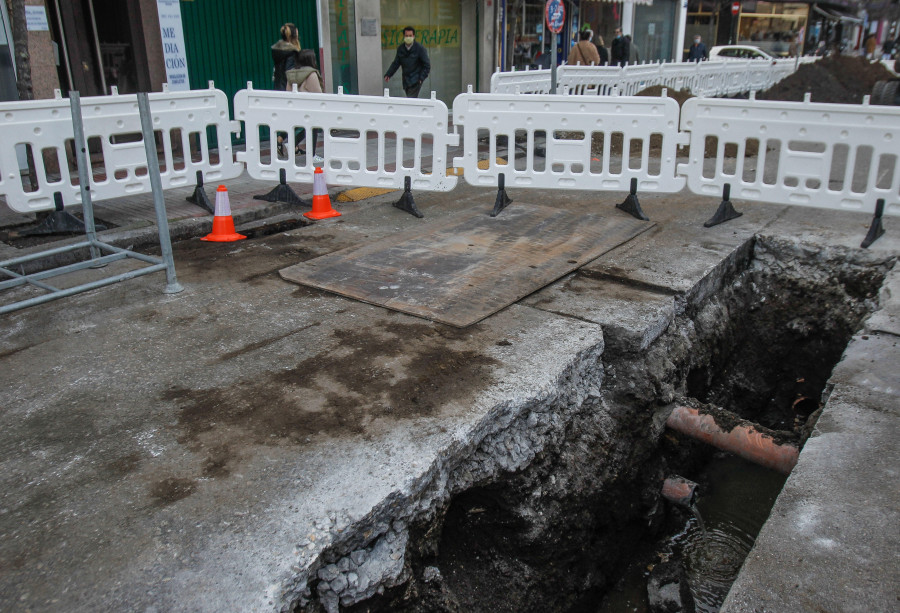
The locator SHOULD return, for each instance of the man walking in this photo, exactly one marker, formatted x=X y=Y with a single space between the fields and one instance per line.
x=413 y=59
x=620 y=49
x=698 y=51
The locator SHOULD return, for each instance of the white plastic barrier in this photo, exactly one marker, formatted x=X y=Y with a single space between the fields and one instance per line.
x=521 y=81
x=347 y=123
x=586 y=80
x=41 y=130
x=570 y=142
x=834 y=156
x=715 y=78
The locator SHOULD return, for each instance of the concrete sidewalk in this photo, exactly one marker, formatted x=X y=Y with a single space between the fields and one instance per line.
x=198 y=451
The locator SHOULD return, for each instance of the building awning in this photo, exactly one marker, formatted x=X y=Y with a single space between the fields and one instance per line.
x=834 y=15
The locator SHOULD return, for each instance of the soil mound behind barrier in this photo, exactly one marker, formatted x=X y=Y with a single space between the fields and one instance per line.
x=656 y=90
x=842 y=79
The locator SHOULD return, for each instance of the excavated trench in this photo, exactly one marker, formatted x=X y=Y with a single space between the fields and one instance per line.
x=553 y=501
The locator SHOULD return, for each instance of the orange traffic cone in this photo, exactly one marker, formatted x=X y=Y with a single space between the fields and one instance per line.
x=223 y=224
x=321 y=201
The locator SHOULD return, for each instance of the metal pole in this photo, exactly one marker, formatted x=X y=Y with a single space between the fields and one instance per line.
x=103 y=92
x=553 y=64
x=84 y=172
x=162 y=223
x=65 y=46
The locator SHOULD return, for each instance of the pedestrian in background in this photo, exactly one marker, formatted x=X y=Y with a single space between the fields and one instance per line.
x=794 y=47
x=634 y=56
x=413 y=59
x=602 y=51
x=619 y=49
x=306 y=76
x=284 y=54
x=584 y=52
x=871 y=43
x=698 y=50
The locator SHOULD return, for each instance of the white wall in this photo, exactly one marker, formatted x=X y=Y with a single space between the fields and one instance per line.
x=370 y=72
x=489 y=59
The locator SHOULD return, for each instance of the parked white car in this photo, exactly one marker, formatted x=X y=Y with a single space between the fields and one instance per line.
x=738 y=52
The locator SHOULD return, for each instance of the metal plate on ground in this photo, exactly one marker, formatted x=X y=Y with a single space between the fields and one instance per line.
x=460 y=270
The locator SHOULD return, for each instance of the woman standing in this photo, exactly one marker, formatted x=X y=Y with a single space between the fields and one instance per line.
x=602 y=51
x=585 y=52
x=284 y=54
x=307 y=78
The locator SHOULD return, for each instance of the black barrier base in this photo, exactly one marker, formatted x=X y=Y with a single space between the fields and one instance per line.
x=632 y=205
x=199 y=196
x=282 y=193
x=876 y=230
x=57 y=221
x=407 y=202
x=725 y=212
x=503 y=199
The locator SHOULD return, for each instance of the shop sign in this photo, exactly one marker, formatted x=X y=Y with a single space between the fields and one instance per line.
x=174 y=53
x=429 y=36
x=555 y=12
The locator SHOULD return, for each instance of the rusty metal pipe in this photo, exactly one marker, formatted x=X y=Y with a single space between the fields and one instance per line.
x=679 y=490
x=746 y=439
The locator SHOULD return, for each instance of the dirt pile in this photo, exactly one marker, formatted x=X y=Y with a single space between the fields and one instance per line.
x=656 y=90
x=842 y=79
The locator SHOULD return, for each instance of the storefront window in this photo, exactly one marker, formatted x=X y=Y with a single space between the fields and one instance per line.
x=603 y=18
x=654 y=30
x=525 y=27
x=437 y=25
x=528 y=42
x=702 y=20
x=771 y=25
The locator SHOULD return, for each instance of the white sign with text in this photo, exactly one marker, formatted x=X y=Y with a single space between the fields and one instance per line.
x=173 y=44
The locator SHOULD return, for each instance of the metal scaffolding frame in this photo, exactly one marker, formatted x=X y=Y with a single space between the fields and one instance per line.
x=101 y=253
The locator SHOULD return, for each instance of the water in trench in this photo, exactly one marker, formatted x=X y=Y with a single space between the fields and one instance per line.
x=736 y=500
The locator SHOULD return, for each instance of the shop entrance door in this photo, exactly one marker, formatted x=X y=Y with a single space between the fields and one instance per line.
x=437 y=24
x=103 y=45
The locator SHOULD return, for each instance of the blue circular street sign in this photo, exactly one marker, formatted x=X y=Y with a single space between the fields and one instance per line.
x=555 y=12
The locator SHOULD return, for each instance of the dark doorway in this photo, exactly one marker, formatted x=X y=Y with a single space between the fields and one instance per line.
x=103 y=44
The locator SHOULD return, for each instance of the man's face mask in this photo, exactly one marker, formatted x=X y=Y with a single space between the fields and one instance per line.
x=409 y=39
x=696 y=41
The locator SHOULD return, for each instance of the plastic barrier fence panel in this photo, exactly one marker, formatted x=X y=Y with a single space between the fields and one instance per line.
x=523 y=81
x=587 y=80
x=367 y=141
x=40 y=132
x=834 y=156
x=569 y=142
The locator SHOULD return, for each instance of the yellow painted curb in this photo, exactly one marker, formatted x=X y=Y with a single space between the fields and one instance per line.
x=361 y=193
x=482 y=165
x=485 y=164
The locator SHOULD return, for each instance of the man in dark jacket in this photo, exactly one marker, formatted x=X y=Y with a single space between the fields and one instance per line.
x=620 y=50
x=413 y=59
x=697 y=51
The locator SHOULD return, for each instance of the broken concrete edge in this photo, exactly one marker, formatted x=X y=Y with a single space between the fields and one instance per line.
x=886 y=319
x=369 y=557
